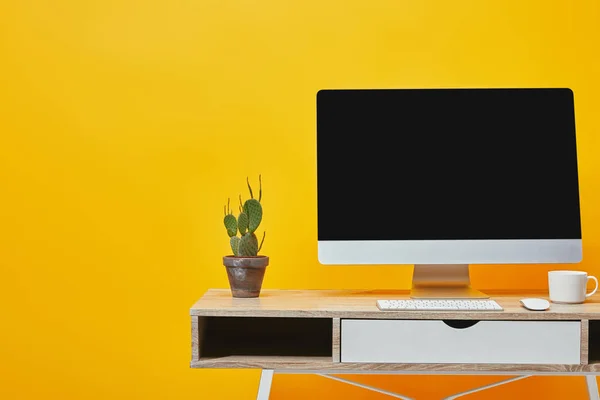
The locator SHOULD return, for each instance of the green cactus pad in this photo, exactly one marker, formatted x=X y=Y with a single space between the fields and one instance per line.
x=243 y=223
x=248 y=246
x=231 y=224
x=253 y=208
x=235 y=244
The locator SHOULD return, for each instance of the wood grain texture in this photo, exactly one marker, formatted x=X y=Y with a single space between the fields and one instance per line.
x=585 y=328
x=336 y=339
x=326 y=363
x=361 y=304
x=337 y=304
x=195 y=339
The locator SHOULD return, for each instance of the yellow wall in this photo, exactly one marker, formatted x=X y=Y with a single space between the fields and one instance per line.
x=126 y=124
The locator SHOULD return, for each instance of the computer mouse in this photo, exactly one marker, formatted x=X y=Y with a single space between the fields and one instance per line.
x=535 y=304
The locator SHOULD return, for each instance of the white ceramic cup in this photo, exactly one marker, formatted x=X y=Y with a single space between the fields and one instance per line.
x=569 y=286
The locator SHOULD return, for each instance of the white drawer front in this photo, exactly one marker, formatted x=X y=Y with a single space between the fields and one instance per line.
x=488 y=342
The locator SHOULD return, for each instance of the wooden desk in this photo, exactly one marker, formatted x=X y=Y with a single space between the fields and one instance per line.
x=298 y=331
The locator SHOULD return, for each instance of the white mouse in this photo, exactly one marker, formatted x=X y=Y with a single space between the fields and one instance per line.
x=535 y=304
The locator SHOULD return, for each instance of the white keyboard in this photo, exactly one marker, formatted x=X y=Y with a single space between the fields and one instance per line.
x=438 y=305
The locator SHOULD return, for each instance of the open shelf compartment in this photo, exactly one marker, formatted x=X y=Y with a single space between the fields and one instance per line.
x=594 y=342
x=264 y=337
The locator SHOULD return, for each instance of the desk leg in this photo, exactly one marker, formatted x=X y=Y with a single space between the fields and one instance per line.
x=264 y=388
x=479 y=389
x=592 y=387
x=361 y=385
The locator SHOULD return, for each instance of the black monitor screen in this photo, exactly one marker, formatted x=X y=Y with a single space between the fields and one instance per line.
x=444 y=164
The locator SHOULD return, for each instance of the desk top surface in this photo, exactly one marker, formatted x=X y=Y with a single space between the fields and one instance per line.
x=362 y=304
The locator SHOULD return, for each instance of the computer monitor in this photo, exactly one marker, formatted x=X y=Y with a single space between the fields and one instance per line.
x=444 y=178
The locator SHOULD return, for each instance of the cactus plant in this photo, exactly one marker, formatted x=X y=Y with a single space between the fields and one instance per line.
x=247 y=222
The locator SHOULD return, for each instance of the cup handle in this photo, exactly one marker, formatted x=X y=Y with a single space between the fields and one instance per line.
x=596 y=288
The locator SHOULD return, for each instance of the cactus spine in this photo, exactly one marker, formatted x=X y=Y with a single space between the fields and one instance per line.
x=247 y=222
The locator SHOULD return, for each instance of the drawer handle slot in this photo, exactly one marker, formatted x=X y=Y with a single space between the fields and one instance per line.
x=459 y=323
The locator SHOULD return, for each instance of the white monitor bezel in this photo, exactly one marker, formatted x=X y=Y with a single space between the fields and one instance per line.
x=518 y=251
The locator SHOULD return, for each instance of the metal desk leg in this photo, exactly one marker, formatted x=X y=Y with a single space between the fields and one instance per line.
x=264 y=388
x=592 y=387
x=491 y=385
x=371 y=388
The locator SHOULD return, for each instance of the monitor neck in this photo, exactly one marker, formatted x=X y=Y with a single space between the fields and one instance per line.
x=443 y=281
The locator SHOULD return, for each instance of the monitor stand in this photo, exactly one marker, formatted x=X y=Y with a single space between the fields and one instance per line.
x=443 y=281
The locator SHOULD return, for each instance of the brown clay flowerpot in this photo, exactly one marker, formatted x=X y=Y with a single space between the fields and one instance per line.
x=245 y=274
